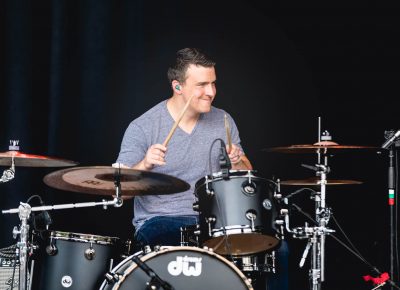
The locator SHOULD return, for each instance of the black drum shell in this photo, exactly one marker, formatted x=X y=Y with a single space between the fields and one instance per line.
x=230 y=202
x=69 y=260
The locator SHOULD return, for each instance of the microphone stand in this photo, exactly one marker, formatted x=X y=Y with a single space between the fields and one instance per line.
x=155 y=280
x=392 y=201
x=391 y=196
x=392 y=140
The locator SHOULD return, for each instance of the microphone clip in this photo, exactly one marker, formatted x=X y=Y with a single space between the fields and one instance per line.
x=391 y=137
x=224 y=161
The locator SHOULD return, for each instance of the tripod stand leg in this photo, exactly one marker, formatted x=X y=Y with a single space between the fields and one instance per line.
x=315 y=272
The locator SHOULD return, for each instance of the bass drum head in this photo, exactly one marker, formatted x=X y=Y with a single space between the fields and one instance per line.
x=183 y=268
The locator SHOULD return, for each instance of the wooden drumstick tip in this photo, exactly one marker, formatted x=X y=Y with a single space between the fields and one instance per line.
x=228 y=134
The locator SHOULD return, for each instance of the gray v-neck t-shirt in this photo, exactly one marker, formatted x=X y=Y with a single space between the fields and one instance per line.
x=187 y=156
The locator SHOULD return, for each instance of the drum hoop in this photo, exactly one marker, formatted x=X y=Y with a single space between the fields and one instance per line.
x=235 y=229
x=234 y=174
x=85 y=238
x=166 y=249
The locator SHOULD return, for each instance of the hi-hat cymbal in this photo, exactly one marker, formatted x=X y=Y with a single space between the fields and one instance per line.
x=317 y=181
x=100 y=180
x=29 y=160
x=324 y=149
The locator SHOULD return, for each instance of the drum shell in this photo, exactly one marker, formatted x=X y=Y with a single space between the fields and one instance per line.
x=69 y=262
x=230 y=202
x=216 y=271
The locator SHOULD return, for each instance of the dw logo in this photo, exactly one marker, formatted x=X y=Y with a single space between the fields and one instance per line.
x=188 y=266
x=66 y=281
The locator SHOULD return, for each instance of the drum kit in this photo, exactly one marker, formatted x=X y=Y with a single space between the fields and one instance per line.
x=242 y=219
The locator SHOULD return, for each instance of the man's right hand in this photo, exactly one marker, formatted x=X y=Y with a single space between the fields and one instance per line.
x=154 y=156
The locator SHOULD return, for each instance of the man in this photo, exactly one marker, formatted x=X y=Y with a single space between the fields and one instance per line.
x=158 y=218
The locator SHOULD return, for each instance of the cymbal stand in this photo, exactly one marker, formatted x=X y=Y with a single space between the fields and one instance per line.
x=8 y=174
x=316 y=234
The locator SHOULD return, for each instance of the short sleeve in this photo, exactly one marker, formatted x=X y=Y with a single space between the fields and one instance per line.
x=133 y=146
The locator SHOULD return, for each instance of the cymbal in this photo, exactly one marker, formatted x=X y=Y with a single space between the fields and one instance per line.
x=324 y=149
x=29 y=160
x=99 y=180
x=317 y=181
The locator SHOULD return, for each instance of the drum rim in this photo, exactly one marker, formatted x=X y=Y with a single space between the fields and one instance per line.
x=167 y=249
x=81 y=237
x=216 y=176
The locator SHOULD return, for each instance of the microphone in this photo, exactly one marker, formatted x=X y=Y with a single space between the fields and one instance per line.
x=224 y=161
x=155 y=281
x=42 y=220
x=390 y=141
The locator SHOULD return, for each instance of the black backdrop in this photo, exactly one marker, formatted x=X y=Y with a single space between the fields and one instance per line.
x=73 y=75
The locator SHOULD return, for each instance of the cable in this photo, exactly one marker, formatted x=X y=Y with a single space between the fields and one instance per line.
x=354 y=252
x=13 y=274
x=344 y=234
x=209 y=157
x=297 y=192
x=225 y=238
x=35 y=196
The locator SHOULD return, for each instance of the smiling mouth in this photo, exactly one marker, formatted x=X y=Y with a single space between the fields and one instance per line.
x=207 y=100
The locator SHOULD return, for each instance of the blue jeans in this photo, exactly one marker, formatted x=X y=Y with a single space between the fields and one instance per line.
x=163 y=230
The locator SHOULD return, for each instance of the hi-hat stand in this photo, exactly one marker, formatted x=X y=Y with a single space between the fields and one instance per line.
x=316 y=234
x=24 y=211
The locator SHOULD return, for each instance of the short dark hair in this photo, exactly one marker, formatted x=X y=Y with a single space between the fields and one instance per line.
x=184 y=58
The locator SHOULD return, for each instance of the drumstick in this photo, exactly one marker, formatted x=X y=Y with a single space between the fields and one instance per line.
x=171 y=132
x=228 y=134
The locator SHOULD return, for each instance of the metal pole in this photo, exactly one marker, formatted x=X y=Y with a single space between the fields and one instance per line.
x=24 y=212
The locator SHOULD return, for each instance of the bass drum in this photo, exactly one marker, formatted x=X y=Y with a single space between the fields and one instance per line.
x=182 y=267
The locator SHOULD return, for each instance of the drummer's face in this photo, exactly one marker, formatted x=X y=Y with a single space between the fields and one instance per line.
x=200 y=83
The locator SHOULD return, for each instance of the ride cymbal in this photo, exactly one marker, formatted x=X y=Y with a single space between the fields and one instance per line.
x=324 y=149
x=29 y=160
x=100 y=180
x=316 y=181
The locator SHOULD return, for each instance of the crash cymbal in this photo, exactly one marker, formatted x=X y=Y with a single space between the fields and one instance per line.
x=99 y=180
x=317 y=181
x=29 y=160
x=324 y=149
